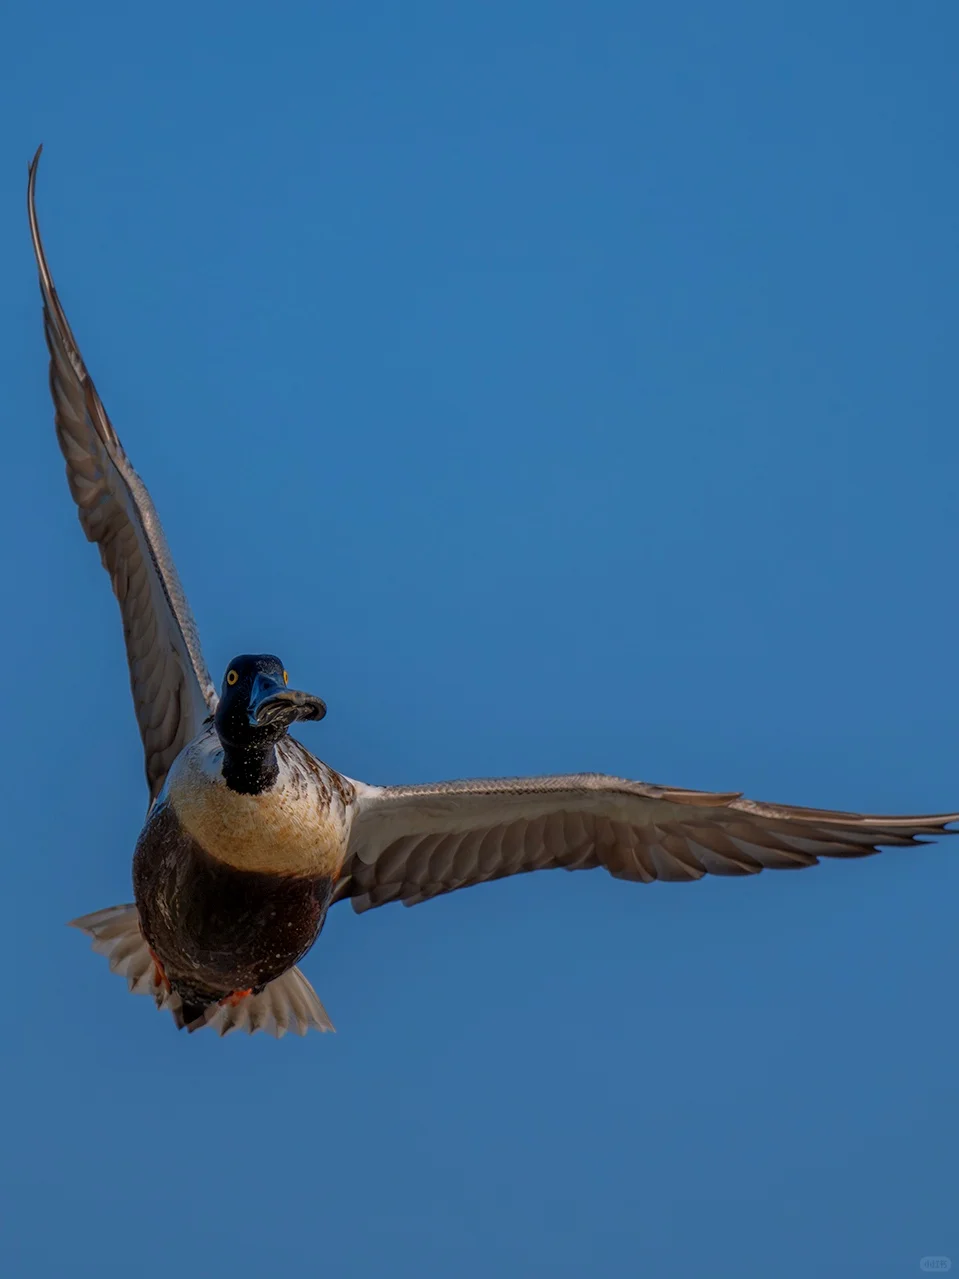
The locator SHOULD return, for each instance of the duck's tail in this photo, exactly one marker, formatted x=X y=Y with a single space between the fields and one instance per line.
x=288 y=1003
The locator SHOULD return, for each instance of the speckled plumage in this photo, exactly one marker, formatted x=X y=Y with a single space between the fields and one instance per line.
x=300 y=826
x=217 y=929
x=232 y=889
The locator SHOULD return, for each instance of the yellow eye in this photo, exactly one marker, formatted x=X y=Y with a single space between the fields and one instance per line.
x=286 y=678
x=231 y=677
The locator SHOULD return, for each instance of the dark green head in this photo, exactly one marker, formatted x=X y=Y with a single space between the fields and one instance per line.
x=256 y=708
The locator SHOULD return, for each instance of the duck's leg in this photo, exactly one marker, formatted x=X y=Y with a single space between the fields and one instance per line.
x=233 y=999
x=159 y=972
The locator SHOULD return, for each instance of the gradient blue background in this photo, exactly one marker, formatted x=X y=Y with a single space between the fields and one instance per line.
x=553 y=387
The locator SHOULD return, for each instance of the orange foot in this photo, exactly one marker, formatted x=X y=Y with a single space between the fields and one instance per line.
x=159 y=973
x=234 y=999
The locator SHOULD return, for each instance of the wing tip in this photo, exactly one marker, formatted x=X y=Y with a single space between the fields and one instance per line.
x=32 y=183
x=46 y=282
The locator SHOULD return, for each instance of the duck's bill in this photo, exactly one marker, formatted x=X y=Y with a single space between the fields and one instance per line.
x=273 y=703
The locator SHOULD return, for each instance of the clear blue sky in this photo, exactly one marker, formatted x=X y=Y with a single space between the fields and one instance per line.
x=553 y=387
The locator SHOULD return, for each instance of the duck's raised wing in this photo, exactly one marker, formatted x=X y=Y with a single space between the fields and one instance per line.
x=408 y=843
x=172 y=691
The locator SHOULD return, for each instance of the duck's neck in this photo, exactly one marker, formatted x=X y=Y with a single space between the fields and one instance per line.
x=250 y=769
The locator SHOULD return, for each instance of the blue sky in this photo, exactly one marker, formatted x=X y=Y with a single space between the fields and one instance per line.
x=553 y=387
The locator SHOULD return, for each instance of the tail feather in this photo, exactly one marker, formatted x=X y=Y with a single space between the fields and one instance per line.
x=116 y=934
x=287 y=1003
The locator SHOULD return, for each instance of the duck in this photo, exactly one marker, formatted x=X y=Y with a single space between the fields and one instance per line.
x=249 y=838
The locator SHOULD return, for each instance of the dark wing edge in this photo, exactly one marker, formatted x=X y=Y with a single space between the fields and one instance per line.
x=171 y=687
x=411 y=843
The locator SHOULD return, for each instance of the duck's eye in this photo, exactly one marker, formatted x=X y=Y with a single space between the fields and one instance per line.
x=286 y=678
x=231 y=677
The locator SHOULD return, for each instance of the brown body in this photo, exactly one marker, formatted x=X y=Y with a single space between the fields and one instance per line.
x=216 y=929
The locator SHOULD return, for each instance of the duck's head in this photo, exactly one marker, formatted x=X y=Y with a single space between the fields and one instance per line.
x=257 y=705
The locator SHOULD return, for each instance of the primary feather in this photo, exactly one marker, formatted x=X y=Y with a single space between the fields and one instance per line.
x=172 y=689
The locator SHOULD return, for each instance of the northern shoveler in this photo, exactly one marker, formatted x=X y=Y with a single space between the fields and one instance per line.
x=249 y=838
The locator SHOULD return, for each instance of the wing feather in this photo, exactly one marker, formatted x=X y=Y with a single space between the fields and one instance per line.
x=172 y=690
x=410 y=843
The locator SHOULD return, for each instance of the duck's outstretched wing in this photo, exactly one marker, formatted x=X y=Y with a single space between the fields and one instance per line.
x=172 y=691
x=409 y=843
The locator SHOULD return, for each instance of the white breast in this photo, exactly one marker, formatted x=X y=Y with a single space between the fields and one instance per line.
x=300 y=826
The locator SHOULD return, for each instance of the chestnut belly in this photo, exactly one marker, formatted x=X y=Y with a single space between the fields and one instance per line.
x=217 y=929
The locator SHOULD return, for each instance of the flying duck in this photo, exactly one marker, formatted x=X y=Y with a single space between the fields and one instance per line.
x=249 y=838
